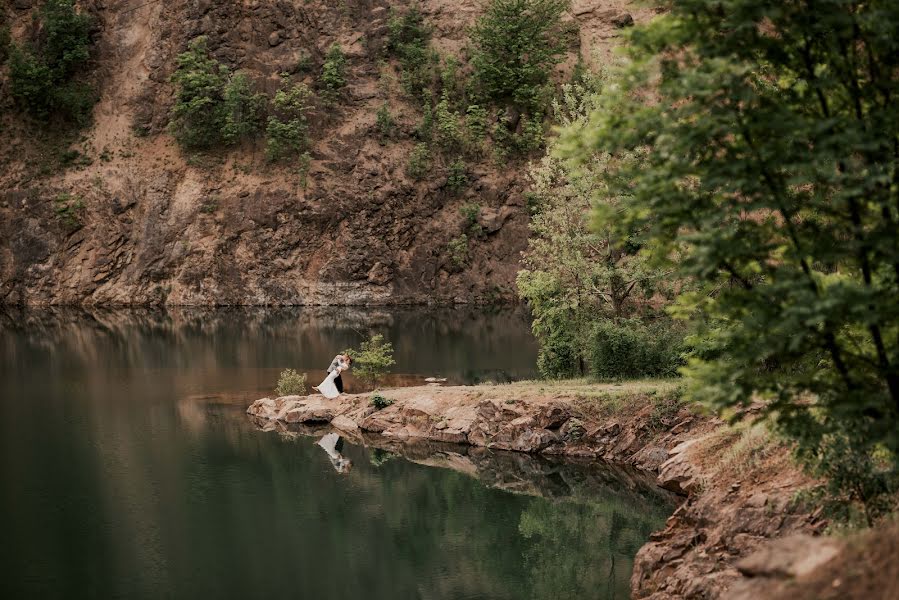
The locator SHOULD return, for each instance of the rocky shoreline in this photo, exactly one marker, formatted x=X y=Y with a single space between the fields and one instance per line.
x=739 y=487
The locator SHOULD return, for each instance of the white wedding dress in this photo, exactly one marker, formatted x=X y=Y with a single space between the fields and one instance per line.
x=327 y=387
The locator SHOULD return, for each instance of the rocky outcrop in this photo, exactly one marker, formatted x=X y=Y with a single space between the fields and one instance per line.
x=501 y=422
x=733 y=505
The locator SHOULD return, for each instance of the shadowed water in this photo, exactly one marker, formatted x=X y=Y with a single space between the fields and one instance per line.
x=129 y=469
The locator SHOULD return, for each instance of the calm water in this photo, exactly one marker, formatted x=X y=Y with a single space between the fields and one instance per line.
x=129 y=469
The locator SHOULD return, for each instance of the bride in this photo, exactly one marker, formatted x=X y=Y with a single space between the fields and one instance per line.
x=328 y=388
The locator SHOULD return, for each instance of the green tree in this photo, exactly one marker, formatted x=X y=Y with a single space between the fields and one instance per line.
x=573 y=274
x=45 y=74
x=244 y=110
x=288 y=127
x=773 y=175
x=198 y=115
x=373 y=360
x=333 y=77
x=516 y=44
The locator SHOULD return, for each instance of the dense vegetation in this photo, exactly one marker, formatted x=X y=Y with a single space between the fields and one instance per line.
x=744 y=163
x=47 y=74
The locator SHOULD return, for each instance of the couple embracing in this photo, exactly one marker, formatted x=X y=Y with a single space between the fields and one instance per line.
x=332 y=386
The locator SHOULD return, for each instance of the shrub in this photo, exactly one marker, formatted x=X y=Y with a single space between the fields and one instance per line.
x=384 y=122
x=69 y=209
x=516 y=44
x=456 y=177
x=419 y=163
x=476 y=124
x=373 y=359
x=198 y=115
x=333 y=77
x=631 y=349
x=446 y=124
x=425 y=129
x=287 y=128
x=470 y=213
x=244 y=110
x=457 y=248
x=380 y=402
x=559 y=356
x=291 y=383
x=527 y=137
x=408 y=40
x=43 y=75
x=5 y=43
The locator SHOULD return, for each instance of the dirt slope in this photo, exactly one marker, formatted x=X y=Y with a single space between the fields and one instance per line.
x=160 y=226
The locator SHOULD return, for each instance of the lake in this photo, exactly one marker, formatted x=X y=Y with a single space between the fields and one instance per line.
x=129 y=468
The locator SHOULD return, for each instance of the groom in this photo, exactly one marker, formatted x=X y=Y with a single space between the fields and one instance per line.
x=341 y=362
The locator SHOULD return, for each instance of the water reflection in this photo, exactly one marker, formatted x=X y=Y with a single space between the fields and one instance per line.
x=129 y=469
x=463 y=345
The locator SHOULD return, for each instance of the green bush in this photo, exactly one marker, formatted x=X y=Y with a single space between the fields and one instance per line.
x=333 y=77
x=448 y=133
x=523 y=140
x=630 y=349
x=456 y=177
x=470 y=212
x=287 y=128
x=516 y=44
x=5 y=43
x=244 y=110
x=291 y=383
x=380 y=402
x=198 y=115
x=457 y=248
x=419 y=164
x=384 y=123
x=559 y=356
x=408 y=41
x=373 y=359
x=44 y=75
x=476 y=124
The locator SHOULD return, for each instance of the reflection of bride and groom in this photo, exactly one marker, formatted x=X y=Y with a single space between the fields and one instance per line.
x=332 y=386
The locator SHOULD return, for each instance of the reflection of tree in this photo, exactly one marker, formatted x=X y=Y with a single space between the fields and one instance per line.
x=464 y=344
x=579 y=547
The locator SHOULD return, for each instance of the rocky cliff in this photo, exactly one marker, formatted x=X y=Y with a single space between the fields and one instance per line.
x=156 y=225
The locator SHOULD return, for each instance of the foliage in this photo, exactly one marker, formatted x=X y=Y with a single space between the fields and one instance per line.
x=772 y=176
x=470 y=212
x=198 y=115
x=523 y=139
x=419 y=163
x=409 y=41
x=243 y=109
x=333 y=77
x=575 y=276
x=516 y=44
x=288 y=126
x=69 y=209
x=476 y=124
x=384 y=123
x=448 y=132
x=373 y=359
x=44 y=75
x=5 y=43
x=380 y=402
x=291 y=383
x=456 y=177
x=630 y=349
x=457 y=248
